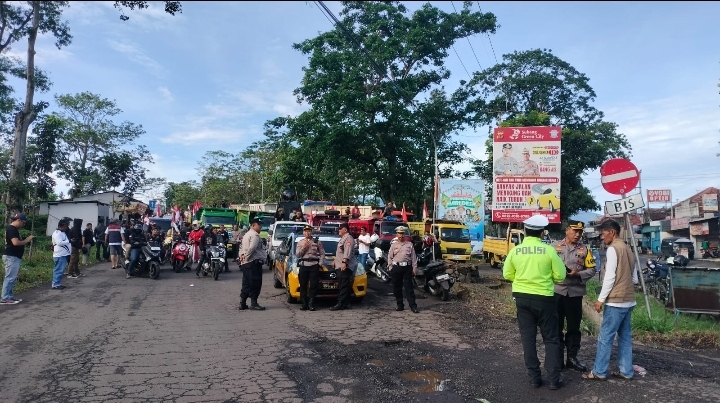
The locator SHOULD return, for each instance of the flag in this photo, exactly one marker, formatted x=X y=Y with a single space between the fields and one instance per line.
x=312 y=217
x=159 y=211
x=425 y=212
x=404 y=214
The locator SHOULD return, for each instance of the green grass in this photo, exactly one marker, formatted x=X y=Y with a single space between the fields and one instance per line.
x=661 y=329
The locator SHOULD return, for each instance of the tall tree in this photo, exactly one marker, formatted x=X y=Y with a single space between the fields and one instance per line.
x=42 y=155
x=182 y=194
x=91 y=147
x=360 y=120
x=536 y=88
x=171 y=7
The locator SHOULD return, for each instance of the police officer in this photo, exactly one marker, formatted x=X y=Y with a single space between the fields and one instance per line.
x=252 y=256
x=311 y=254
x=402 y=263
x=506 y=165
x=534 y=268
x=346 y=262
x=208 y=239
x=580 y=267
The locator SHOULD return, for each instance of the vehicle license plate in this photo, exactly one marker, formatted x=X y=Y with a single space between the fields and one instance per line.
x=457 y=257
x=330 y=286
x=443 y=277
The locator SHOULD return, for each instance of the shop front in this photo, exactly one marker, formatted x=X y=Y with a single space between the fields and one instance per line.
x=704 y=233
x=680 y=227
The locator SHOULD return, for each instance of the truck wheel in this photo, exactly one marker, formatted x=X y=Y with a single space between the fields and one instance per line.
x=495 y=262
x=487 y=258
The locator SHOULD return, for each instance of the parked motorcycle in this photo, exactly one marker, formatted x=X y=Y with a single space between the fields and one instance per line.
x=148 y=261
x=657 y=280
x=180 y=256
x=377 y=261
x=217 y=261
x=431 y=276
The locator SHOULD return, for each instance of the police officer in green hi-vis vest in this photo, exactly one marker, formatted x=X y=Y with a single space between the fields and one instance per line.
x=534 y=268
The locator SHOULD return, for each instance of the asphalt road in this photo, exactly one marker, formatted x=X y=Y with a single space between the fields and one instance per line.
x=181 y=339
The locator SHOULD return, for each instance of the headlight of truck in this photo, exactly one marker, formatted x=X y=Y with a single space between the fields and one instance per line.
x=360 y=270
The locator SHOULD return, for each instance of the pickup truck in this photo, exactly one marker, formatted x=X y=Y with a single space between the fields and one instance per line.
x=496 y=249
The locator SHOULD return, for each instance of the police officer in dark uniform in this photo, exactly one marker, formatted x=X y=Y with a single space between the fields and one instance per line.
x=580 y=267
x=346 y=263
x=208 y=239
x=311 y=254
x=252 y=256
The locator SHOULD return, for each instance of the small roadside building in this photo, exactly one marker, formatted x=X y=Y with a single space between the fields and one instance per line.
x=90 y=208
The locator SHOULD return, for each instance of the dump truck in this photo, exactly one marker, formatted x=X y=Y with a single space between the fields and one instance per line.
x=453 y=237
x=495 y=249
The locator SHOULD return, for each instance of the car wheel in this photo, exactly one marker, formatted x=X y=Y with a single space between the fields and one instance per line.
x=290 y=298
x=276 y=283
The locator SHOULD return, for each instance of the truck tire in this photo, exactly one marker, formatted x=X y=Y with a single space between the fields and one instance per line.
x=495 y=262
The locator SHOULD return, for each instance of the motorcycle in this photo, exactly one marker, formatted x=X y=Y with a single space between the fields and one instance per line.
x=377 y=261
x=431 y=276
x=217 y=260
x=148 y=261
x=180 y=256
x=657 y=281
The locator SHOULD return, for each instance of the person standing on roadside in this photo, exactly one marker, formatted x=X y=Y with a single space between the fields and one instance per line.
x=580 y=267
x=14 y=250
x=534 y=268
x=99 y=233
x=363 y=241
x=114 y=238
x=236 y=238
x=88 y=243
x=346 y=262
x=76 y=242
x=402 y=263
x=252 y=256
x=61 y=250
x=311 y=255
x=618 y=277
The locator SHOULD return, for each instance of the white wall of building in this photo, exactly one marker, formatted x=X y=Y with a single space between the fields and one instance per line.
x=88 y=212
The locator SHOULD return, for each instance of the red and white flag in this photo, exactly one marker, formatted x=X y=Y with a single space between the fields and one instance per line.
x=159 y=211
x=404 y=214
x=425 y=212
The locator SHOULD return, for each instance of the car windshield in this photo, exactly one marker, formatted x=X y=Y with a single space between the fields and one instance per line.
x=219 y=220
x=284 y=230
x=455 y=235
x=265 y=223
x=330 y=246
x=388 y=228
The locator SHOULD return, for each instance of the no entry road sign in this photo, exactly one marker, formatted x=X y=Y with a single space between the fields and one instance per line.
x=619 y=176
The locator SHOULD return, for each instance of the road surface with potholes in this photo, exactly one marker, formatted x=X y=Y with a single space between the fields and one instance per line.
x=181 y=339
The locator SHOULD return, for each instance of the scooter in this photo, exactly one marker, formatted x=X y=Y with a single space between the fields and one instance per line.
x=431 y=276
x=216 y=264
x=180 y=254
x=656 y=279
x=148 y=261
x=377 y=261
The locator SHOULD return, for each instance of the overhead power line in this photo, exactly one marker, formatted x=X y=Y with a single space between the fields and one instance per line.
x=470 y=43
x=458 y=56
x=489 y=39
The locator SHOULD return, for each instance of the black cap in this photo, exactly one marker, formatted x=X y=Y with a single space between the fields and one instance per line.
x=344 y=225
x=254 y=221
x=307 y=228
x=507 y=145
x=576 y=225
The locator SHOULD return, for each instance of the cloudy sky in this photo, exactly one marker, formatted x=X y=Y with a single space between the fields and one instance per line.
x=209 y=78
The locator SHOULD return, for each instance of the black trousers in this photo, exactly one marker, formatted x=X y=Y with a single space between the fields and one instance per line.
x=569 y=309
x=531 y=314
x=106 y=253
x=402 y=277
x=235 y=250
x=345 y=292
x=308 y=276
x=251 y=280
x=203 y=258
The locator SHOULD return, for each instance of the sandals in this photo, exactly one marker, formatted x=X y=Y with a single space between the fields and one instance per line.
x=592 y=377
x=620 y=375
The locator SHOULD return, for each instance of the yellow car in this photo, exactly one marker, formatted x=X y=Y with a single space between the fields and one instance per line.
x=549 y=200
x=285 y=270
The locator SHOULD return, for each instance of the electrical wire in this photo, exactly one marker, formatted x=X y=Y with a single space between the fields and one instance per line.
x=470 y=43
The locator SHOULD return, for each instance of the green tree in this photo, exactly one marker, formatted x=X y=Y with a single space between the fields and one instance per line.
x=93 y=159
x=360 y=122
x=42 y=155
x=171 y=7
x=536 y=88
x=181 y=194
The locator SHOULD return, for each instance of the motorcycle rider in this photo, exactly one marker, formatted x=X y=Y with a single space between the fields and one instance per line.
x=312 y=255
x=195 y=237
x=157 y=237
x=402 y=263
x=223 y=237
x=137 y=241
x=208 y=239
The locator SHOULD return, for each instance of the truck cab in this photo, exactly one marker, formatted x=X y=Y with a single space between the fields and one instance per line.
x=453 y=237
x=385 y=230
x=495 y=249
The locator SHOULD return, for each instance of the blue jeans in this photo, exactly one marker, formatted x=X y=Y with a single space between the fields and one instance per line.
x=134 y=256
x=59 y=269
x=12 y=267
x=362 y=258
x=615 y=320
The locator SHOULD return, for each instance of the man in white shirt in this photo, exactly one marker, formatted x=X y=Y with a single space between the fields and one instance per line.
x=363 y=246
x=618 y=295
x=61 y=251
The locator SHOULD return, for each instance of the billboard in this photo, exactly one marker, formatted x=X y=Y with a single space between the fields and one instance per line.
x=659 y=196
x=526 y=173
x=463 y=200
x=699 y=228
x=710 y=202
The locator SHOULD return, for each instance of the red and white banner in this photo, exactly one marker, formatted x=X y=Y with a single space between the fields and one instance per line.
x=526 y=173
x=659 y=196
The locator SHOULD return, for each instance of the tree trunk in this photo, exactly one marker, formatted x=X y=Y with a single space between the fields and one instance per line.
x=23 y=119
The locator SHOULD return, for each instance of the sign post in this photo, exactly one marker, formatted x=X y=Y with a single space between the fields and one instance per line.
x=617 y=176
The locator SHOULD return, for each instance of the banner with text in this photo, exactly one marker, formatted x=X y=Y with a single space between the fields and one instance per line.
x=463 y=200
x=710 y=202
x=659 y=196
x=526 y=173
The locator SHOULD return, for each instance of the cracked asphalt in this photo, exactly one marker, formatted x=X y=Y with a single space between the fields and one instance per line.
x=181 y=339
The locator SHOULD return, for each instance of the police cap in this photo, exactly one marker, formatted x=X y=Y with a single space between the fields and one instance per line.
x=536 y=222
x=307 y=228
x=507 y=145
x=400 y=230
x=576 y=225
x=254 y=221
x=526 y=151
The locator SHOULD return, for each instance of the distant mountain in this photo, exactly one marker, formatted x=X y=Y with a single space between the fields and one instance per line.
x=585 y=216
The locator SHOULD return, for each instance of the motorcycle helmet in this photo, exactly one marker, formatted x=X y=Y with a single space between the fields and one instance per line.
x=137 y=227
x=208 y=227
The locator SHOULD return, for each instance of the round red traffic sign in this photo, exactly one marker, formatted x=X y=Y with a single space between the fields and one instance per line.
x=619 y=176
